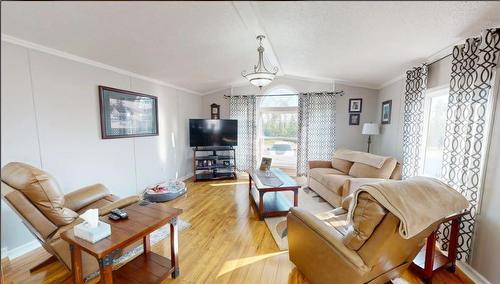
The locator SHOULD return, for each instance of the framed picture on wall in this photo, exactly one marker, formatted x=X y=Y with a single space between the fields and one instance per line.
x=355 y=105
x=354 y=118
x=127 y=114
x=386 y=112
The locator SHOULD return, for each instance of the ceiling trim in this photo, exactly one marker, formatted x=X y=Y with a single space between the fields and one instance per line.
x=66 y=55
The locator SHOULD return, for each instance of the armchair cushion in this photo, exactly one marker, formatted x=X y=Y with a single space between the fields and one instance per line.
x=41 y=189
x=118 y=204
x=366 y=217
x=364 y=170
x=320 y=173
x=341 y=165
x=84 y=196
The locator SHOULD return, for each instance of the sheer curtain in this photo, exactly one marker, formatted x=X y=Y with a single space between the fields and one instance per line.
x=468 y=115
x=316 y=131
x=244 y=109
x=413 y=121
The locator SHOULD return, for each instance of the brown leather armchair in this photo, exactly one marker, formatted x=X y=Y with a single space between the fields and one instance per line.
x=36 y=197
x=328 y=249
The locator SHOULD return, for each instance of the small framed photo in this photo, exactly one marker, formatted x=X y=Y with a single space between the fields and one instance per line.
x=386 y=112
x=355 y=105
x=354 y=118
x=265 y=165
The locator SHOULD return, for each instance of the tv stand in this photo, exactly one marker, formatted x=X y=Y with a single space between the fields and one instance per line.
x=213 y=163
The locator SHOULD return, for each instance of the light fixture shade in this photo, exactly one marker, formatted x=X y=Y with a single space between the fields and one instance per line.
x=260 y=79
x=370 y=129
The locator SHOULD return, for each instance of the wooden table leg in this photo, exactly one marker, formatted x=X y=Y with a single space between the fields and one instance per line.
x=261 y=205
x=174 y=247
x=430 y=250
x=453 y=243
x=146 y=244
x=76 y=264
x=106 y=269
x=296 y=198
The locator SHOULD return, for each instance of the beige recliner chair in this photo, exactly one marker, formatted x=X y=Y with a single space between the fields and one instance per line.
x=328 y=249
x=36 y=197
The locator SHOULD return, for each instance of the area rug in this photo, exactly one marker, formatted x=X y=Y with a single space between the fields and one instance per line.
x=155 y=237
x=308 y=200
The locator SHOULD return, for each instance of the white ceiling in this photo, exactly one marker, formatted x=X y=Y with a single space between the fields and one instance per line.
x=202 y=46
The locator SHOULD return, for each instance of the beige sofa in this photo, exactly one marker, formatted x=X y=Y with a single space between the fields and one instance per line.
x=332 y=179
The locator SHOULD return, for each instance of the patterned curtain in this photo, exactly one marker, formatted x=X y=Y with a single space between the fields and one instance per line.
x=316 y=132
x=243 y=108
x=413 y=121
x=469 y=102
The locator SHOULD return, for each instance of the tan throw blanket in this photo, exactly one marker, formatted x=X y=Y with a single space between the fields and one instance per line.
x=360 y=157
x=417 y=202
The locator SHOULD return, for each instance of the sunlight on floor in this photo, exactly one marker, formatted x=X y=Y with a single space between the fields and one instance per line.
x=240 y=262
x=229 y=183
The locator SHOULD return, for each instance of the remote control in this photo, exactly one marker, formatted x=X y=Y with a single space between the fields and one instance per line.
x=120 y=213
x=113 y=217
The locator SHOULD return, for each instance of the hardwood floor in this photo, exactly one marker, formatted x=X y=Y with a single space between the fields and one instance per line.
x=226 y=243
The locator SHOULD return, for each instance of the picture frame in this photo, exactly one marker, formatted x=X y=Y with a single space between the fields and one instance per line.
x=386 y=112
x=127 y=114
x=354 y=118
x=265 y=164
x=355 y=105
x=215 y=111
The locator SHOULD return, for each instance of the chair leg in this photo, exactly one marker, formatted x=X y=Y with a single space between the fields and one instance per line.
x=48 y=261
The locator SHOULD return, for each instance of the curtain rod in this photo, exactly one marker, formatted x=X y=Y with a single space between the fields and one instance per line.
x=340 y=93
x=439 y=59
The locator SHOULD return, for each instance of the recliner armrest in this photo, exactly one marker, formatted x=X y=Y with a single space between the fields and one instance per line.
x=331 y=235
x=320 y=164
x=84 y=196
x=118 y=204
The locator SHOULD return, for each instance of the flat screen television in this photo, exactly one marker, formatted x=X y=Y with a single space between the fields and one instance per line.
x=213 y=132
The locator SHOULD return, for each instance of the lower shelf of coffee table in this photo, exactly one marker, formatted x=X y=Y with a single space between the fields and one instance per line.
x=274 y=204
x=145 y=268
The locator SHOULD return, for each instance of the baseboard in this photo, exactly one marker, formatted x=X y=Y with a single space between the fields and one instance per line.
x=188 y=176
x=470 y=272
x=20 y=250
x=4 y=253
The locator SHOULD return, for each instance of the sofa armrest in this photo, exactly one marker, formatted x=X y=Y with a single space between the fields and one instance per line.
x=84 y=196
x=119 y=204
x=317 y=227
x=320 y=164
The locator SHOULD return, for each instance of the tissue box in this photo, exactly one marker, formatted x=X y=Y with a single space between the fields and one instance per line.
x=93 y=235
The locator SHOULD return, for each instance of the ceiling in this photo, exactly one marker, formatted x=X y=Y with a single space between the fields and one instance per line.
x=203 y=46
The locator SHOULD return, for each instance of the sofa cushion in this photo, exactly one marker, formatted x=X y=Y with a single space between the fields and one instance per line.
x=319 y=173
x=41 y=189
x=335 y=183
x=368 y=214
x=366 y=171
x=341 y=165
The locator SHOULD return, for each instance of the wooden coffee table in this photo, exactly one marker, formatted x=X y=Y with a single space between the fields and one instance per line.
x=148 y=267
x=273 y=204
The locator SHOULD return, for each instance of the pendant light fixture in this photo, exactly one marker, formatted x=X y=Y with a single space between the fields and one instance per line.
x=260 y=76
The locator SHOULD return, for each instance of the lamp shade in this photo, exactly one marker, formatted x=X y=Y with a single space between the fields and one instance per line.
x=370 y=129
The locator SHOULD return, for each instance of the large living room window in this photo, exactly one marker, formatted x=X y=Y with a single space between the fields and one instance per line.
x=435 y=113
x=278 y=129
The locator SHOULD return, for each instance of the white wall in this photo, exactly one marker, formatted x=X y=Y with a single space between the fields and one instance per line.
x=347 y=136
x=50 y=118
x=486 y=255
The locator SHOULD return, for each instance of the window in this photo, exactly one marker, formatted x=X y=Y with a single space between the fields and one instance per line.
x=278 y=129
x=436 y=106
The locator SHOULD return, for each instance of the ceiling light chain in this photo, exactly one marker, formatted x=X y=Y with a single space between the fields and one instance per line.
x=261 y=76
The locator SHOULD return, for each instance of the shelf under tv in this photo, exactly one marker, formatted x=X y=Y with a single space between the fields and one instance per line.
x=219 y=163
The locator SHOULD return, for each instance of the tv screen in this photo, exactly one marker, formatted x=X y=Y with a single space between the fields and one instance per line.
x=213 y=132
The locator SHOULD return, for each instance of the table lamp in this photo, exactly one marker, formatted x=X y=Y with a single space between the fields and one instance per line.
x=370 y=129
